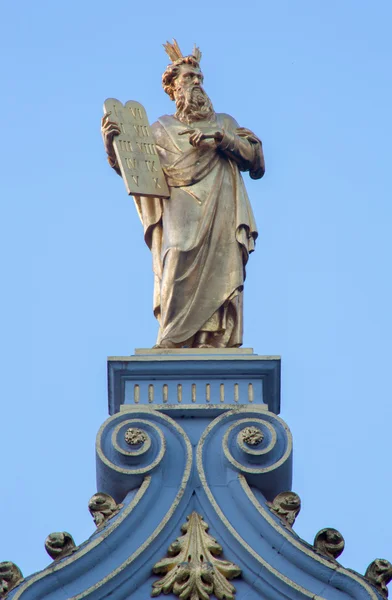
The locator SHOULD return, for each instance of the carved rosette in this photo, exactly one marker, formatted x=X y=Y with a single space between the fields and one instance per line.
x=329 y=542
x=379 y=573
x=135 y=436
x=59 y=544
x=251 y=436
x=102 y=508
x=192 y=569
x=10 y=577
x=286 y=506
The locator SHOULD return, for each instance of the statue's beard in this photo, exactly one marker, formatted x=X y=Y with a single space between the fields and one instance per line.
x=193 y=104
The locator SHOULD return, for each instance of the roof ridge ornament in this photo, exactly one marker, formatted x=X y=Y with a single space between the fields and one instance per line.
x=59 y=544
x=10 y=577
x=379 y=573
x=329 y=542
x=103 y=507
x=286 y=505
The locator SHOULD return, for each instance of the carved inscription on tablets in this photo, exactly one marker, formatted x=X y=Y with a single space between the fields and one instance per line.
x=135 y=150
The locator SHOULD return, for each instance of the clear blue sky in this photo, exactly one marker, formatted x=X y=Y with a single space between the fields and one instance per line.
x=313 y=80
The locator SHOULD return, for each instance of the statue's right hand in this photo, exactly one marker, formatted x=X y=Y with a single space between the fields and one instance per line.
x=109 y=129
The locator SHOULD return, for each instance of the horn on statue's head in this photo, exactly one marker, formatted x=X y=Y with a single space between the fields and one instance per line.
x=196 y=53
x=174 y=52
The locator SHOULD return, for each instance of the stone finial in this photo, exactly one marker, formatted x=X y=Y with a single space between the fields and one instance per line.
x=10 y=577
x=102 y=508
x=379 y=573
x=192 y=569
x=329 y=542
x=59 y=544
x=286 y=506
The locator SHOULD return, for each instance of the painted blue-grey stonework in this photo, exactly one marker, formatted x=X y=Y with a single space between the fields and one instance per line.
x=226 y=367
x=193 y=461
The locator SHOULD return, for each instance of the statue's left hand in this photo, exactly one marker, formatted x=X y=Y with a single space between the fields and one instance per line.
x=196 y=136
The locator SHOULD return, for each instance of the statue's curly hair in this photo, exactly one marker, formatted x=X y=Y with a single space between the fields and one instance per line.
x=172 y=72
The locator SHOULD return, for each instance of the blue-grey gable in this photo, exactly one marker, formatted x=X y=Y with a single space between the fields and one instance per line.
x=162 y=461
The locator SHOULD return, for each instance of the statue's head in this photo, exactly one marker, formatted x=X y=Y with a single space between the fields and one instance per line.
x=181 y=73
x=182 y=81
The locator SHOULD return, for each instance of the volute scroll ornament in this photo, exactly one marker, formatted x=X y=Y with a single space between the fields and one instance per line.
x=192 y=569
x=379 y=573
x=329 y=542
x=10 y=577
x=59 y=544
x=102 y=508
x=286 y=506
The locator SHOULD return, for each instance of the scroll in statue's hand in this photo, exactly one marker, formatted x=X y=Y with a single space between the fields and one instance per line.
x=109 y=129
x=196 y=136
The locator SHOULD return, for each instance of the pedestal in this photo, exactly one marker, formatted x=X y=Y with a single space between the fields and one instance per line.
x=198 y=377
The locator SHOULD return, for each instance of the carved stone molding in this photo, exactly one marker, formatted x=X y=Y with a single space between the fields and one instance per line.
x=329 y=542
x=379 y=573
x=286 y=506
x=10 y=577
x=172 y=368
x=59 y=544
x=192 y=569
x=102 y=508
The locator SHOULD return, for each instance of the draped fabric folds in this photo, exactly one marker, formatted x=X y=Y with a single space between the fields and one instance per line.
x=201 y=237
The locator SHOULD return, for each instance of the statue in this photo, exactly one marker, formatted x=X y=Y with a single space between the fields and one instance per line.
x=201 y=236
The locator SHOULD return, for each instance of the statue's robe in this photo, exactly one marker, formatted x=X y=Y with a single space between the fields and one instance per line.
x=201 y=237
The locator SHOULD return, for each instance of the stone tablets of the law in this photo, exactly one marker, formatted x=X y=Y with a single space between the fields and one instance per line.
x=135 y=150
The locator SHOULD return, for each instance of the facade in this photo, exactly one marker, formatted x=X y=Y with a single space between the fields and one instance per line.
x=194 y=499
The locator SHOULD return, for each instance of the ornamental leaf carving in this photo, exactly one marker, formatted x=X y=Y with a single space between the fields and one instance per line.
x=329 y=542
x=10 y=577
x=192 y=569
x=103 y=507
x=59 y=544
x=379 y=573
x=286 y=506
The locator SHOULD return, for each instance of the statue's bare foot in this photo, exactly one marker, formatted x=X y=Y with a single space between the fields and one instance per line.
x=204 y=346
x=201 y=340
x=166 y=344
